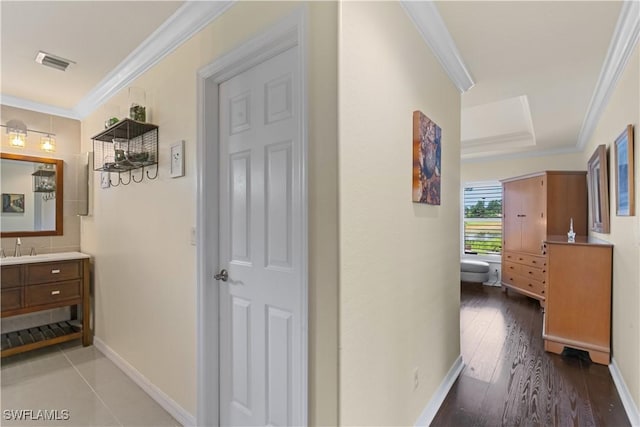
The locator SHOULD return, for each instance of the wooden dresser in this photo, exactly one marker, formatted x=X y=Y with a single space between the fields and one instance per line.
x=535 y=206
x=31 y=284
x=578 y=312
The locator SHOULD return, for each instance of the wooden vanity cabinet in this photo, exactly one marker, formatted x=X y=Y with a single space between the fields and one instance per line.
x=533 y=207
x=33 y=287
x=578 y=312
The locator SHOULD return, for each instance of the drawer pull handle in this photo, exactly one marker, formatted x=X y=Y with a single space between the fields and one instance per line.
x=531 y=272
x=55 y=292
x=534 y=262
x=55 y=271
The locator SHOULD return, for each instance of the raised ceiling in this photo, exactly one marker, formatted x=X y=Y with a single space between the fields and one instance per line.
x=550 y=52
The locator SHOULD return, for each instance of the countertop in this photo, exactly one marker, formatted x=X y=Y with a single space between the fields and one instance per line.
x=30 y=259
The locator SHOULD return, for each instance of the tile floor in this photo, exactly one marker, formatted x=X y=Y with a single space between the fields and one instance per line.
x=80 y=380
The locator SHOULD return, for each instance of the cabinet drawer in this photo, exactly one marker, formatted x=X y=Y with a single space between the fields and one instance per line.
x=11 y=299
x=534 y=261
x=52 y=272
x=52 y=292
x=510 y=268
x=511 y=256
x=11 y=276
x=533 y=273
x=533 y=286
x=526 y=259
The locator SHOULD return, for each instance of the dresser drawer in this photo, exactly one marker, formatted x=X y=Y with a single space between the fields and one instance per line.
x=11 y=276
x=534 y=261
x=510 y=268
x=526 y=259
x=52 y=292
x=535 y=287
x=533 y=273
x=52 y=272
x=11 y=299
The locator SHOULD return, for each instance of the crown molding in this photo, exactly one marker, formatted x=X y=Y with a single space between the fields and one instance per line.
x=491 y=157
x=25 y=104
x=624 y=40
x=431 y=26
x=190 y=18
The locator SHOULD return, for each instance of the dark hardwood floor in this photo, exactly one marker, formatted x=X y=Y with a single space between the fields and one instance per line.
x=509 y=380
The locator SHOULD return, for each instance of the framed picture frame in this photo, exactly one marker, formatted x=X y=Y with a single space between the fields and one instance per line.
x=625 y=193
x=12 y=203
x=598 y=188
x=176 y=156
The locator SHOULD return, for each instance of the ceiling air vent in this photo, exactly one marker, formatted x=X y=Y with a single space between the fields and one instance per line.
x=53 y=61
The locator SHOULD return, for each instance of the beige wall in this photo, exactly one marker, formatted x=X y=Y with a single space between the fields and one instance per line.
x=624 y=109
x=145 y=267
x=67 y=133
x=399 y=270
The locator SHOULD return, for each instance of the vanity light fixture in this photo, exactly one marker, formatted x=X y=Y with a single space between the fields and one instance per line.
x=48 y=143
x=17 y=133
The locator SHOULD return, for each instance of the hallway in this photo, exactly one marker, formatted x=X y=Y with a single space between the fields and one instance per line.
x=510 y=380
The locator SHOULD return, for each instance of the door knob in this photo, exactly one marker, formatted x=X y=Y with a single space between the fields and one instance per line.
x=223 y=275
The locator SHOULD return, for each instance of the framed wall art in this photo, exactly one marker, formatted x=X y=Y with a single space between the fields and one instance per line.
x=625 y=194
x=427 y=165
x=12 y=203
x=598 y=187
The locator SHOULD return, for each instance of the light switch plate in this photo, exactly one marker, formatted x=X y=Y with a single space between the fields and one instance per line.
x=176 y=155
x=105 y=181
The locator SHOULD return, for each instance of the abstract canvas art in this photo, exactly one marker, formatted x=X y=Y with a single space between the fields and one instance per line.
x=426 y=160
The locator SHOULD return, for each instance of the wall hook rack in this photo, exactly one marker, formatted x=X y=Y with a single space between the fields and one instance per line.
x=125 y=147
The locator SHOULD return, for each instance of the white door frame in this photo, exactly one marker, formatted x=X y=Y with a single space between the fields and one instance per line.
x=283 y=35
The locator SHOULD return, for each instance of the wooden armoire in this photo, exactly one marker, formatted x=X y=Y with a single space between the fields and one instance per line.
x=533 y=207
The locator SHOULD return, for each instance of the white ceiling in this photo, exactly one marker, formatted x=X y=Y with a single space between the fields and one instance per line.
x=550 y=52
x=535 y=64
x=97 y=35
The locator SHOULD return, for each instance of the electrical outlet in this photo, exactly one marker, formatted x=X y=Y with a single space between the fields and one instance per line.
x=416 y=378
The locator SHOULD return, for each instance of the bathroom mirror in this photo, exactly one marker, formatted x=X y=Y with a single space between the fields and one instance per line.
x=32 y=195
x=598 y=186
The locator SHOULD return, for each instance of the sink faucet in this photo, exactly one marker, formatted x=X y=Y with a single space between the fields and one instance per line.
x=17 y=253
x=2 y=255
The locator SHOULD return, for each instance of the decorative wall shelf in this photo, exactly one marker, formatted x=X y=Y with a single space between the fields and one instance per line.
x=127 y=147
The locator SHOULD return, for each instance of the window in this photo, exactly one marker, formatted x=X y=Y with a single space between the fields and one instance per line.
x=482 y=219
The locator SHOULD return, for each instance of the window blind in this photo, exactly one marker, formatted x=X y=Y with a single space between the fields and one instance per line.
x=483 y=219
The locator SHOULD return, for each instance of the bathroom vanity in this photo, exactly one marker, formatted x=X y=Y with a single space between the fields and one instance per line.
x=42 y=282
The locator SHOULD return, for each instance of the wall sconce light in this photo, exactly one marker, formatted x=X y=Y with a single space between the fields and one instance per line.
x=17 y=133
x=48 y=143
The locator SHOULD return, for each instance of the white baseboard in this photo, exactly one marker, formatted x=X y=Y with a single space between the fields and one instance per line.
x=434 y=404
x=169 y=405
x=627 y=401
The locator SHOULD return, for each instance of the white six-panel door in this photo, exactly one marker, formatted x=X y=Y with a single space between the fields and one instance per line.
x=260 y=245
